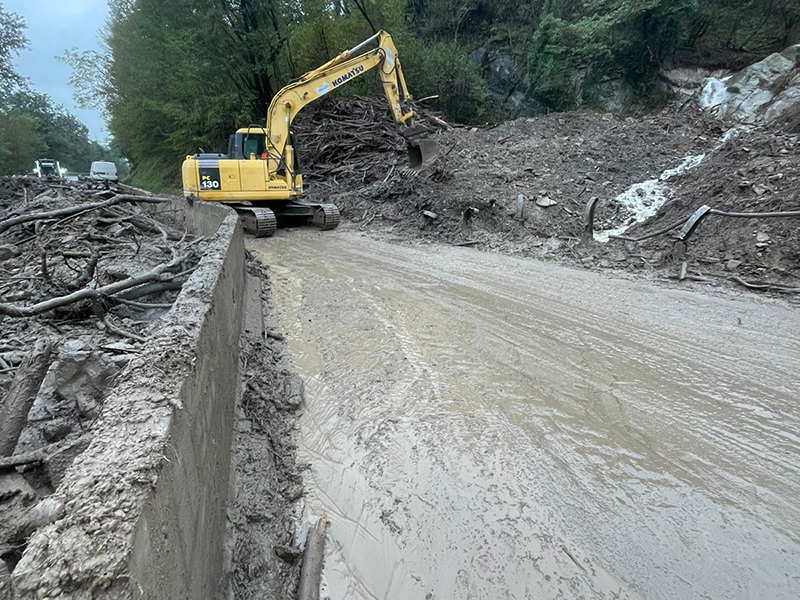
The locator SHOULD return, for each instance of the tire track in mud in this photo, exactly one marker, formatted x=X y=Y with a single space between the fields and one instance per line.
x=480 y=426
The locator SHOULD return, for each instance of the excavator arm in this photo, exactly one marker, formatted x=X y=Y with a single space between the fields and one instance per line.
x=338 y=71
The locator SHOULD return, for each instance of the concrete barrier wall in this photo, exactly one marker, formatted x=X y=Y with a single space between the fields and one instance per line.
x=196 y=217
x=144 y=505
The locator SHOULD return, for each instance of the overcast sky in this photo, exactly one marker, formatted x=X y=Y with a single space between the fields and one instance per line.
x=52 y=27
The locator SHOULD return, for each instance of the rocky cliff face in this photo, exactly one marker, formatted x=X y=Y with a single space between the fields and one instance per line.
x=507 y=76
x=765 y=92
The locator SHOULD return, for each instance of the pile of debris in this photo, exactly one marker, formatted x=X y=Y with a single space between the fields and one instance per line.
x=85 y=272
x=351 y=139
x=523 y=187
x=756 y=172
x=520 y=187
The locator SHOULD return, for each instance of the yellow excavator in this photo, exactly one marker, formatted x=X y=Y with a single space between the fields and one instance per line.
x=259 y=177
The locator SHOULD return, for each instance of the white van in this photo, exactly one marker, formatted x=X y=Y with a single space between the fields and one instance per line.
x=103 y=170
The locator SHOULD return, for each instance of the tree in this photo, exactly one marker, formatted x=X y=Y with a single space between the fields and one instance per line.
x=12 y=41
x=20 y=143
x=65 y=138
x=609 y=39
x=548 y=67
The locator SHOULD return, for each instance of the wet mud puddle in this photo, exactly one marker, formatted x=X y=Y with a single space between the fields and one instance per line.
x=483 y=427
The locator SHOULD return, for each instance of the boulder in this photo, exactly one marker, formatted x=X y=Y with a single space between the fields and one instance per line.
x=760 y=93
x=478 y=56
x=611 y=95
x=503 y=72
x=83 y=377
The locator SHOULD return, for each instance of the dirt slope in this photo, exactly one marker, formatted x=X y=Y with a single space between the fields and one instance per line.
x=557 y=163
x=757 y=171
x=560 y=160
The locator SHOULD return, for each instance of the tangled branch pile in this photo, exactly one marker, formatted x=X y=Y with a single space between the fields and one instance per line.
x=72 y=251
x=354 y=138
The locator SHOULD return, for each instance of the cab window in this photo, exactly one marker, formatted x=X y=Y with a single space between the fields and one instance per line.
x=253 y=144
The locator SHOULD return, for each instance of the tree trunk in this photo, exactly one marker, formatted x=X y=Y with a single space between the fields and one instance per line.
x=21 y=394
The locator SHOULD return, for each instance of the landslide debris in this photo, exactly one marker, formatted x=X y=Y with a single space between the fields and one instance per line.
x=522 y=187
x=265 y=554
x=756 y=171
x=85 y=273
x=556 y=162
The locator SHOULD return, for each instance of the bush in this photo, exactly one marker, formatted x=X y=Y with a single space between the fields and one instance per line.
x=549 y=66
x=629 y=39
x=444 y=69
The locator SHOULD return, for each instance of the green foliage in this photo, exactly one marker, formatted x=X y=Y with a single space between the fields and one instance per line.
x=64 y=137
x=89 y=77
x=629 y=35
x=31 y=126
x=184 y=74
x=20 y=142
x=548 y=64
x=630 y=39
x=156 y=175
x=12 y=40
x=443 y=69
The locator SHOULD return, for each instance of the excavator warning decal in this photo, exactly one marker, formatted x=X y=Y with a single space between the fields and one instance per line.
x=209 y=178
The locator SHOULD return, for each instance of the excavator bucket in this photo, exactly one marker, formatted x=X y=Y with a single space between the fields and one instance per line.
x=421 y=152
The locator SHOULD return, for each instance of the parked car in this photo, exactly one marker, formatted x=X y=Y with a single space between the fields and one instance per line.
x=101 y=170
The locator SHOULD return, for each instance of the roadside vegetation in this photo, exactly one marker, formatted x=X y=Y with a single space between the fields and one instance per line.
x=32 y=126
x=181 y=75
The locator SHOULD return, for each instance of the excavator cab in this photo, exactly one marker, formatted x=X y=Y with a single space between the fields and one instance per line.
x=242 y=144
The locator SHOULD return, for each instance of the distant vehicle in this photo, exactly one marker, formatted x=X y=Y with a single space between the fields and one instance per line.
x=48 y=167
x=101 y=170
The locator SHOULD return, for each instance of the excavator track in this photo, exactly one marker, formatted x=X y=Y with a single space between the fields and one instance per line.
x=260 y=222
x=326 y=216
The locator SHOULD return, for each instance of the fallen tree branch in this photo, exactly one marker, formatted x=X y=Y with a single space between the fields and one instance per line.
x=87 y=274
x=73 y=210
x=142 y=305
x=769 y=287
x=42 y=455
x=122 y=332
x=88 y=293
x=20 y=460
x=150 y=288
x=20 y=396
x=701 y=216
x=311 y=569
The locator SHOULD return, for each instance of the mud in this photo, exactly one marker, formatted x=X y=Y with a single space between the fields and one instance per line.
x=480 y=426
x=556 y=162
x=263 y=550
x=758 y=170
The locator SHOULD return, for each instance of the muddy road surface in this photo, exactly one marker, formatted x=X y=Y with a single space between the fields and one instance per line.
x=480 y=426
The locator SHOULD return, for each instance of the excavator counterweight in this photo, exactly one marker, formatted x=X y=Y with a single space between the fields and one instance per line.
x=259 y=176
